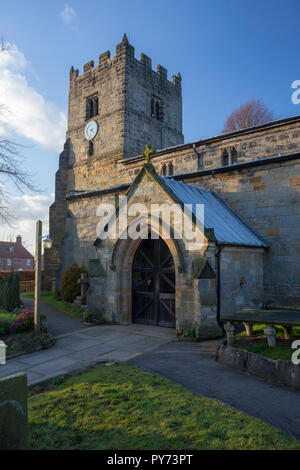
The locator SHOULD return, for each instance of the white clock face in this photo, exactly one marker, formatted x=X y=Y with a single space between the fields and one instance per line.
x=91 y=130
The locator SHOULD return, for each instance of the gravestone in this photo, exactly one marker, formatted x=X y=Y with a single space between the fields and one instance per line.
x=13 y=412
x=83 y=281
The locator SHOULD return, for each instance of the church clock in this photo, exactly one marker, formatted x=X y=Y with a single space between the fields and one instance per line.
x=91 y=130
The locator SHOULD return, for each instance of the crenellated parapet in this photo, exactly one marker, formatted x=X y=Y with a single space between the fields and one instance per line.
x=126 y=52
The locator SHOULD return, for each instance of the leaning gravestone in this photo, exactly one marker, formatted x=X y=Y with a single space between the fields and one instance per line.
x=13 y=412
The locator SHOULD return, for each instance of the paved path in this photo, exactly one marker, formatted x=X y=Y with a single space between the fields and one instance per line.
x=85 y=347
x=58 y=323
x=193 y=366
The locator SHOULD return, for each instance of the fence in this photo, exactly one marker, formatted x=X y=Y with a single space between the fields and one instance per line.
x=26 y=286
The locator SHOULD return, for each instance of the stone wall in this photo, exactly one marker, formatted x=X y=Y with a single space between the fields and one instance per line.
x=241 y=278
x=282 y=137
x=267 y=198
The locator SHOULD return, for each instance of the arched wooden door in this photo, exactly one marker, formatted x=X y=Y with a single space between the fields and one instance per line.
x=153 y=284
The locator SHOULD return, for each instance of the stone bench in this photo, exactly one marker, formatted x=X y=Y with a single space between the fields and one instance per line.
x=286 y=318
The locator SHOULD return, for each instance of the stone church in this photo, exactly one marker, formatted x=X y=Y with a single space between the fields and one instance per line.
x=248 y=182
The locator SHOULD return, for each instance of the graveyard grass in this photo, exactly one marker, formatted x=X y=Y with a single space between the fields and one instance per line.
x=124 y=408
x=262 y=348
x=60 y=305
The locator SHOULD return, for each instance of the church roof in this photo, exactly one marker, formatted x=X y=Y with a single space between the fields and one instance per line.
x=228 y=228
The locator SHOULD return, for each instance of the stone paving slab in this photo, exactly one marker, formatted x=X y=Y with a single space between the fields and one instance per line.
x=55 y=365
x=12 y=366
x=93 y=351
x=43 y=356
x=84 y=347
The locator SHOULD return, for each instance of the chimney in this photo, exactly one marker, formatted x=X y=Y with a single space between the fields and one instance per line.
x=19 y=240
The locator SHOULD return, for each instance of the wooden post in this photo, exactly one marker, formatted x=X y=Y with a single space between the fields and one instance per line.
x=37 y=287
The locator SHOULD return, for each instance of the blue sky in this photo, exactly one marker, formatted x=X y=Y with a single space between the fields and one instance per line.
x=226 y=51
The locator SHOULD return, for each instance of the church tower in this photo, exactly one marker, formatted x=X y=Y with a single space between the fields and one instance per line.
x=115 y=109
x=119 y=106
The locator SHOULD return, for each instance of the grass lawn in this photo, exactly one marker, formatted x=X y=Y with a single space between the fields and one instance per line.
x=124 y=408
x=59 y=304
x=258 y=343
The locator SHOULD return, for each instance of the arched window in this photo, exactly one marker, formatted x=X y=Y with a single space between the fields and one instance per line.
x=91 y=107
x=164 y=169
x=157 y=111
x=152 y=108
x=88 y=108
x=225 y=158
x=91 y=148
x=95 y=106
x=171 y=169
x=233 y=156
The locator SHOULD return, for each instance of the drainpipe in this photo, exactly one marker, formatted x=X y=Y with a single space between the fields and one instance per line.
x=218 y=255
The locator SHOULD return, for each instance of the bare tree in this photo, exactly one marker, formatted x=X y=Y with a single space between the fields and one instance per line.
x=250 y=114
x=11 y=167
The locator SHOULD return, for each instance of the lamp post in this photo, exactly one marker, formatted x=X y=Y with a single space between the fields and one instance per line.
x=38 y=263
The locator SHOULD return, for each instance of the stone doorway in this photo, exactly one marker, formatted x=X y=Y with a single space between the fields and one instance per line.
x=153 y=285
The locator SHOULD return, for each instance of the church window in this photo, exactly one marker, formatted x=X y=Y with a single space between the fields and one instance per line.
x=164 y=169
x=171 y=169
x=152 y=108
x=91 y=148
x=225 y=158
x=233 y=156
x=157 y=109
x=91 y=107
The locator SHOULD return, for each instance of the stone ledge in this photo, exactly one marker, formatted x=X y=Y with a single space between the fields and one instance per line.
x=275 y=371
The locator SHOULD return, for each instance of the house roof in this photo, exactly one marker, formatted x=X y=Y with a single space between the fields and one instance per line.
x=228 y=227
x=19 y=250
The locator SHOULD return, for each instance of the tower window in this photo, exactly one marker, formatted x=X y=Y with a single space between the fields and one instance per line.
x=157 y=109
x=164 y=169
x=91 y=148
x=91 y=107
x=225 y=158
x=171 y=169
x=152 y=108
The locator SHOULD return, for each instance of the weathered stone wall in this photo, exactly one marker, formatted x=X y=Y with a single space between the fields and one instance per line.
x=267 y=198
x=111 y=289
x=124 y=87
x=264 y=141
x=241 y=278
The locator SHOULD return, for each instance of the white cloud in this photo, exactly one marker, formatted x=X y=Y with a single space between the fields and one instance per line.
x=23 y=109
x=68 y=15
x=27 y=209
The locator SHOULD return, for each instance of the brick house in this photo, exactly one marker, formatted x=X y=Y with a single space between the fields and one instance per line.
x=14 y=256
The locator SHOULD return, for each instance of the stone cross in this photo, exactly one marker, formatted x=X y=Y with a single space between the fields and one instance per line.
x=148 y=152
x=83 y=281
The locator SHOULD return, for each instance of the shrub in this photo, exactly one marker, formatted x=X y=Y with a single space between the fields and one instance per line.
x=23 y=322
x=89 y=317
x=70 y=288
x=6 y=322
x=10 y=292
